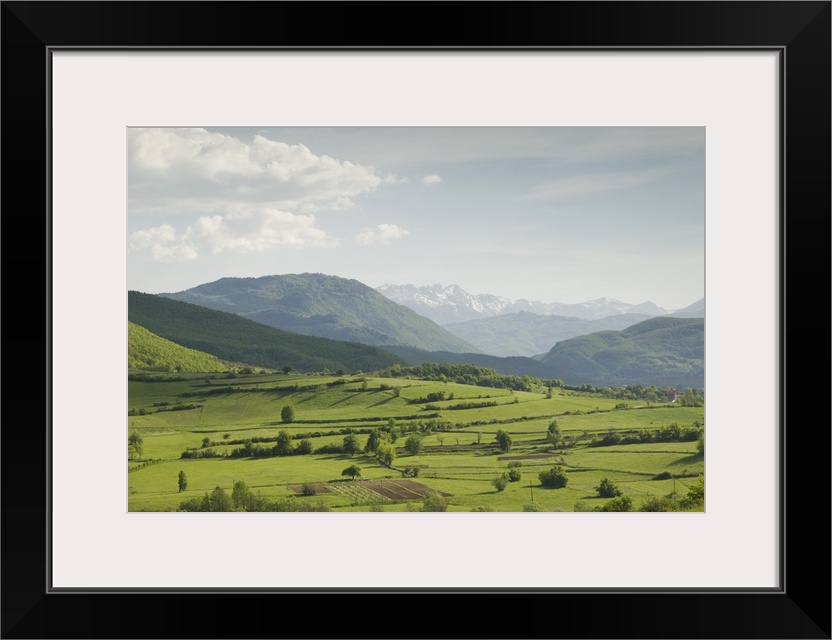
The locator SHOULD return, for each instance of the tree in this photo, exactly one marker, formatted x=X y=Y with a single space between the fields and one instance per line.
x=554 y=477
x=553 y=434
x=514 y=474
x=136 y=442
x=283 y=446
x=376 y=438
x=434 y=501
x=287 y=414
x=219 y=500
x=287 y=369
x=351 y=444
x=183 y=481
x=240 y=494
x=413 y=444
x=500 y=482
x=607 y=489
x=206 y=442
x=700 y=444
x=503 y=439
x=386 y=453
x=695 y=497
x=352 y=471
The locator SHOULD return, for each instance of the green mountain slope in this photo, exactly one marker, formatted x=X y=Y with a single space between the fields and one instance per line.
x=326 y=306
x=527 y=334
x=661 y=351
x=146 y=350
x=233 y=338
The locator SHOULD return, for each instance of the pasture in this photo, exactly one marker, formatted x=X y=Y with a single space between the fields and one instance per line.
x=231 y=428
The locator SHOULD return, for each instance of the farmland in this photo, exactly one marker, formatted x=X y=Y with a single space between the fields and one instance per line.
x=371 y=442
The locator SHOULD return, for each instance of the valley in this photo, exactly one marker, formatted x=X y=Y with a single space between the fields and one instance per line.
x=437 y=443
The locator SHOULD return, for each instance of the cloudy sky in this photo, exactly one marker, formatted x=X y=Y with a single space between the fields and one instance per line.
x=551 y=214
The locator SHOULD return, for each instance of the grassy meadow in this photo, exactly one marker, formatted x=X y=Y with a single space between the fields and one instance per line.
x=443 y=438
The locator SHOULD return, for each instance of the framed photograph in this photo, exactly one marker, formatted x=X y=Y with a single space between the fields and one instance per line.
x=129 y=124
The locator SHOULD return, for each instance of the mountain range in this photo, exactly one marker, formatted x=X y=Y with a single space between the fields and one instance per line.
x=449 y=304
x=315 y=304
x=234 y=319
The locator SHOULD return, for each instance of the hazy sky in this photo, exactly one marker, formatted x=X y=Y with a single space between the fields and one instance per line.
x=551 y=214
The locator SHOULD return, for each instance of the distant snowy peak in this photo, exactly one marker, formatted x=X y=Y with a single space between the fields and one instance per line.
x=445 y=304
x=453 y=304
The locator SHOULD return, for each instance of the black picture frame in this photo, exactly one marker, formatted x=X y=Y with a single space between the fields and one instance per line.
x=799 y=31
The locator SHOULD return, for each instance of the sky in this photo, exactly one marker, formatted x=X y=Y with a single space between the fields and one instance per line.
x=542 y=213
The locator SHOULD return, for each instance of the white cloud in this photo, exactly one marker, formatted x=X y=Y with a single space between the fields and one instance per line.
x=243 y=231
x=339 y=204
x=392 y=178
x=431 y=179
x=381 y=234
x=180 y=170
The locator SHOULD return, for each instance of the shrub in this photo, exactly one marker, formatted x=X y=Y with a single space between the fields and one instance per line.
x=531 y=507
x=308 y=489
x=330 y=448
x=621 y=503
x=500 y=482
x=665 y=503
x=482 y=509
x=514 y=463
x=664 y=475
x=287 y=414
x=607 y=489
x=435 y=501
x=554 y=477
x=304 y=447
x=194 y=504
x=514 y=475
x=582 y=506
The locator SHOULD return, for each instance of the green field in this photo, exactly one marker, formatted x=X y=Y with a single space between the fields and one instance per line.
x=458 y=455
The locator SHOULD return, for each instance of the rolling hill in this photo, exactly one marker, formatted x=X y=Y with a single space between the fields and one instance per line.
x=663 y=351
x=146 y=350
x=231 y=337
x=315 y=304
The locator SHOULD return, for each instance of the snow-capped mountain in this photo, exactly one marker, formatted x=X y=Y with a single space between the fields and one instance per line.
x=446 y=304
x=449 y=304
